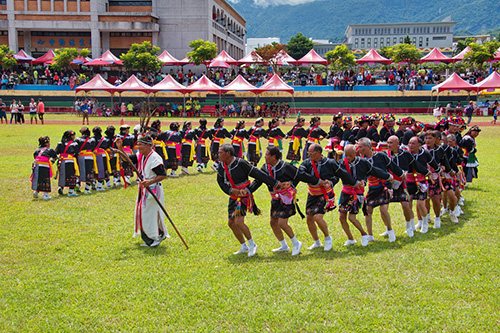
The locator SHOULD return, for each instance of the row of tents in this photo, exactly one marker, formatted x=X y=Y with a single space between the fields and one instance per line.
x=224 y=60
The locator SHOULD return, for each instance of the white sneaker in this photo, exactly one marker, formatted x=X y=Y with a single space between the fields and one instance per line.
x=453 y=218
x=87 y=192
x=35 y=194
x=296 y=249
x=281 y=249
x=252 y=250
x=419 y=224
x=425 y=226
x=156 y=242
x=185 y=170
x=315 y=245
x=371 y=238
x=461 y=201
x=214 y=167
x=392 y=236
x=173 y=175
x=461 y=211
x=437 y=223
x=243 y=249
x=200 y=169
x=350 y=242
x=328 y=243
x=443 y=211
x=127 y=180
x=100 y=189
x=385 y=233
x=46 y=197
x=409 y=229
x=365 y=240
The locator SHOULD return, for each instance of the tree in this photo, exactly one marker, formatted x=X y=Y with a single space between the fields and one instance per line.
x=201 y=51
x=341 y=58
x=269 y=54
x=7 y=60
x=386 y=52
x=407 y=40
x=406 y=53
x=480 y=54
x=65 y=56
x=299 y=45
x=462 y=44
x=142 y=57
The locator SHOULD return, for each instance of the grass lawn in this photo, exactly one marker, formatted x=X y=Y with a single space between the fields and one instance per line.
x=71 y=264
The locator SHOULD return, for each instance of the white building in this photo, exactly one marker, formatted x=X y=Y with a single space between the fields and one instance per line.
x=424 y=35
x=39 y=25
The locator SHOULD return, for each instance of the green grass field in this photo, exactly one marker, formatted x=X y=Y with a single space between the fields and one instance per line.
x=71 y=264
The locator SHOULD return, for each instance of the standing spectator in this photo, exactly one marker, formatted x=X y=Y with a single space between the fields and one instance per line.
x=20 y=112
x=123 y=109
x=495 y=112
x=40 y=110
x=35 y=77
x=130 y=108
x=13 y=111
x=469 y=110
x=3 y=115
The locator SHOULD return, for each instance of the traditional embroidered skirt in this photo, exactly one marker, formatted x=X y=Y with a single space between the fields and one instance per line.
x=40 y=180
x=67 y=176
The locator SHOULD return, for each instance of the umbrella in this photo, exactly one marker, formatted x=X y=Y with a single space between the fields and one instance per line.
x=98 y=62
x=219 y=63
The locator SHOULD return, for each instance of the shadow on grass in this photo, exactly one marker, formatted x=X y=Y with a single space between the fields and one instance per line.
x=124 y=253
x=379 y=245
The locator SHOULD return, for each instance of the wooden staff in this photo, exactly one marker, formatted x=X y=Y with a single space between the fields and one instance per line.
x=125 y=156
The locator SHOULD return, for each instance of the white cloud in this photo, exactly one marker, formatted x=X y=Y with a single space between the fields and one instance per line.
x=266 y=3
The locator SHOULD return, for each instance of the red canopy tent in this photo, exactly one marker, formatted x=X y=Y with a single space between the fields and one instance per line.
x=251 y=58
x=373 y=57
x=275 y=83
x=491 y=83
x=311 y=58
x=184 y=61
x=461 y=55
x=219 y=64
x=97 y=83
x=240 y=84
x=169 y=84
x=108 y=56
x=167 y=59
x=454 y=83
x=204 y=84
x=134 y=84
x=22 y=56
x=98 y=62
x=435 y=56
x=47 y=58
x=223 y=56
x=283 y=58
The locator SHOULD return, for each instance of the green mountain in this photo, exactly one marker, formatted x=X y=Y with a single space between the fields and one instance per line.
x=327 y=19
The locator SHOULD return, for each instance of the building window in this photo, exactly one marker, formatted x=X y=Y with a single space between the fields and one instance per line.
x=130 y=3
x=401 y=39
x=439 y=38
x=369 y=42
x=395 y=40
x=420 y=42
x=414 y=41
x=388 y=41
x=427 y=41
x=355 y=43
x=362 y=43
x=381 y=42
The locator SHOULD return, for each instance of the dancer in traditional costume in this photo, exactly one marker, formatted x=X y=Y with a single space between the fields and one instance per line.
x=173 y=140
x=69 y=173
x=114 y=160
x=295 y=135
x=275 y=134
x=415 y=128
x=219 y=133
x=188 y=147
x=405 y=160
x=352 y=197
x=469 y=145
x=232 y=177
x=348 y=137
x=372 y=132
x=239 y=133
x=149 y=217
x=403 y=124
x=379 y=190
x=101 y=157
x=314 y=135
x=42 y=170
x=449 y=179
x=416 y=181
x=254 y=152
x=128 y=143
x=86 y=158
x=335 y=137
x=159 y=138
x=202 y=155
x=283 y=201
x=364 y=122
x=386 y=131
x=321 y=199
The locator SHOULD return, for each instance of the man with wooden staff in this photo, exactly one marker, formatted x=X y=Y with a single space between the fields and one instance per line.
x=149 y=217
